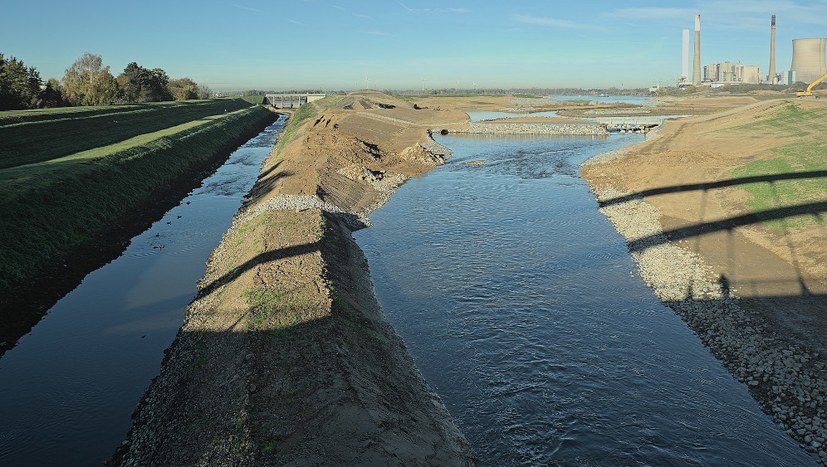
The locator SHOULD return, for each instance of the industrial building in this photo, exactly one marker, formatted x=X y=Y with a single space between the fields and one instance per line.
x=809 y=63
x=696 y=63
x=809 y=59
x=731 y=73
x=772 y=77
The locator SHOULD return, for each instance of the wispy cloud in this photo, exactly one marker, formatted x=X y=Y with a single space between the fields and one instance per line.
x=434 y=10
x=359 y=15
x=296 y=22
x=550 y=22
x=244 y=7
x=375 y=33
x=658 y=14
x=732 y=15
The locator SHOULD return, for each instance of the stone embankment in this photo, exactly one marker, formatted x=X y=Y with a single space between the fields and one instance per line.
x=522 y=128
x=788 y=381
x=284 y=358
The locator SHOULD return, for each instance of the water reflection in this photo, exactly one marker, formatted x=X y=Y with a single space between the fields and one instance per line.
x=522 y=308
x=69 y=387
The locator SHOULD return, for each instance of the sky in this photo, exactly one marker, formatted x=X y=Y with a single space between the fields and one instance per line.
x=410 y=44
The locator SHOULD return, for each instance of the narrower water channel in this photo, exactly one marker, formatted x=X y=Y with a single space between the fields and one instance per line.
x=522 y=308
x=68 y=389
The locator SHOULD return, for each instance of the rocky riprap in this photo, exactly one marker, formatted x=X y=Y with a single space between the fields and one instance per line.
x=788 y=380
x=522 y=128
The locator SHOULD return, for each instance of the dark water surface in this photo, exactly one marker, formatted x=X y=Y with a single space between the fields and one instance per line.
x=522 y=308
x=68 y=389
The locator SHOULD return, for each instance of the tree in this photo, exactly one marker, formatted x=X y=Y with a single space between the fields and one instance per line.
x=204 y=92
x=183 y=89
x=129 y=82
x=88 y=82
x=19 y=85
x=139 y=84
x=51 y=95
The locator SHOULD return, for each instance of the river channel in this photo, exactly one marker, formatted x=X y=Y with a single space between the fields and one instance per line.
x=522 y=308
x=68 y=389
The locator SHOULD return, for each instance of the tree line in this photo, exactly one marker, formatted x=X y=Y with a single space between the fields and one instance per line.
x=88 y=82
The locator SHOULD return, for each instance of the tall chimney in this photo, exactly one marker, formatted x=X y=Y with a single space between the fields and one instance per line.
x=685 y=57
x=696 y=64
x=771 y=75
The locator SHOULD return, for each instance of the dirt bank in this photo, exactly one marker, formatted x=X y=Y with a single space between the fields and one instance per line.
x=284 y=358
x=724 y=215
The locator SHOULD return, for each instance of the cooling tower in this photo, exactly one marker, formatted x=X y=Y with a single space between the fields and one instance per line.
x=685 y=57
x=771 y=73
x=696 y=64
x=808 y=59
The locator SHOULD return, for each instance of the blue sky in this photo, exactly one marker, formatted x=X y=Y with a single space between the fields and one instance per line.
x=341 y=44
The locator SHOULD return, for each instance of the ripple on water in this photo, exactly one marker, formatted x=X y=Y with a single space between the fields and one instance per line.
x=520 y=305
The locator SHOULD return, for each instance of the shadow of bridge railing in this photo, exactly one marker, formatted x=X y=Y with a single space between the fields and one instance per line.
x=715 y=184
x=815 y=209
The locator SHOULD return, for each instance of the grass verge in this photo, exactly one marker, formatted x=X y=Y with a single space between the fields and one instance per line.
x=806 y=153
x=43 y=135
x=77 y=204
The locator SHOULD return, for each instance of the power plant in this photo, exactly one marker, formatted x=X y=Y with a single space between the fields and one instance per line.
x=808 y=65
x=809 y=59
x=771 y=73
x=696 y=64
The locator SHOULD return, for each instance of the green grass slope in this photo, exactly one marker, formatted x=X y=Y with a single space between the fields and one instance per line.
x=28 y=137
x=804 y=151
x=48 y=209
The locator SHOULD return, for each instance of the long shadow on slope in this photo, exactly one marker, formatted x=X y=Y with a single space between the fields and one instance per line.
x=815 y=209
x=716 y=184
x=21 y=310
x=260 y=259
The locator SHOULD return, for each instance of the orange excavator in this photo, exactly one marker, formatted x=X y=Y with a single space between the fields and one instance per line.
x=809 y=91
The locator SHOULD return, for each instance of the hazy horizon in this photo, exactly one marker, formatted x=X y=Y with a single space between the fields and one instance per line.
x=332 y=45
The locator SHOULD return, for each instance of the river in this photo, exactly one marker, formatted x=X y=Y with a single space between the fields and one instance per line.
x=68 y=389
x=522 y=308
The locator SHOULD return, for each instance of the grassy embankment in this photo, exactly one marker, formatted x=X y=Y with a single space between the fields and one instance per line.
x=804 y=151
x=68 y=176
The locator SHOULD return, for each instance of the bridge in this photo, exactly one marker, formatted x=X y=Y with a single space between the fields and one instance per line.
x=288 y=101
x=633 y=124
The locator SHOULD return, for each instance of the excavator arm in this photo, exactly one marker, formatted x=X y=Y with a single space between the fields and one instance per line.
x=809 y=91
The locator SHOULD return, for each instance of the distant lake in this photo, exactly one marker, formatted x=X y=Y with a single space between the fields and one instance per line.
x=636 y=100
x=481 y=115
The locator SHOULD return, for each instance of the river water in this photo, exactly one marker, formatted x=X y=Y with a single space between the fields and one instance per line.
x=68 y=389
x=521 y=306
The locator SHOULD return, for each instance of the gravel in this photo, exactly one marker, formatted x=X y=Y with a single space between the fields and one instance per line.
x=520 y=128
x=385 y=184
x=787 y=380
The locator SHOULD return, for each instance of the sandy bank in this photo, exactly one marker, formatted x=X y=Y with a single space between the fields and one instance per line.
x=754 y=294
x=284 y=358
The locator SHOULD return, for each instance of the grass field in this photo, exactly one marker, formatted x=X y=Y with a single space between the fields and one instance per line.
x=36 y=136
x=805 y=151
x=62 y=199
